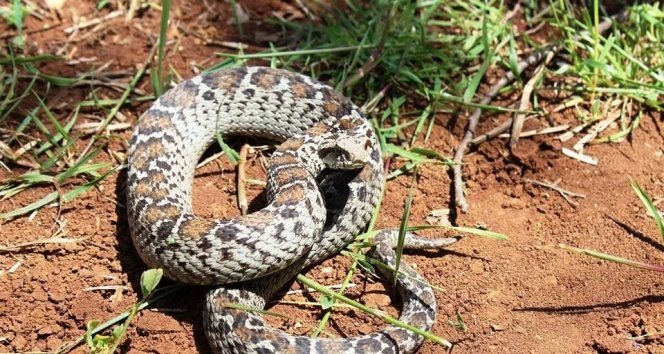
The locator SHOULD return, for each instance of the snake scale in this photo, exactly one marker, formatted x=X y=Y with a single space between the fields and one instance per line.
x=324 y=181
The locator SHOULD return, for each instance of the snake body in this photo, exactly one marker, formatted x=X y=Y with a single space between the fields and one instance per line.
x=310 y=216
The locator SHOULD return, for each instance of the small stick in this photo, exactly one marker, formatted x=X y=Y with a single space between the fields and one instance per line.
x=492 y=133
x=242 y=180
x=227 y=44
x=568 y=135
x=93 y=22
x=88 y=128
x=133 y=6
x=29 y=244
x=305 y=9
x=25 y=148
x=117 y=86
x=528 y=89
x=563 y=192
x=370 y=63
x=209 y=159
x=6 y=151
x=529 y=133
x=600 y=127
x=308 y=291
x=579 y=156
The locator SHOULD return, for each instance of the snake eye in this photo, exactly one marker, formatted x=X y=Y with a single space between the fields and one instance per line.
x=334 y=152
x=342 y=154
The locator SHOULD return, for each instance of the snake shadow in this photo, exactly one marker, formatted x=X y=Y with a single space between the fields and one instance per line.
x=579 y=310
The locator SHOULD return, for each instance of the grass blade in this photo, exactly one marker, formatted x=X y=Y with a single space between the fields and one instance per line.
x=647 y=202
x=611 y=258
x=403 y=225
x=67 y=197
x=158 y=85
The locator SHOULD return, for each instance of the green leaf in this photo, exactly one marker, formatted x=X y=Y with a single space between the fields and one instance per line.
x=647 y=202
x=89 y=333
x=326 y=302
x=118 y=331
x=23 y=60
x=488 y=58
x=324 y=290
x=102 y=4
x=368 y=267
x=55 y=80
x=232 y=155
x=480 y=232
x=18 y=15
x=149 y=281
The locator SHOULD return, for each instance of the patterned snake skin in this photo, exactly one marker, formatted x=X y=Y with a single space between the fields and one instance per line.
x=323 y=184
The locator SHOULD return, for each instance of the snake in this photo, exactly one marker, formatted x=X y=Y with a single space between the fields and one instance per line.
x=323 y=183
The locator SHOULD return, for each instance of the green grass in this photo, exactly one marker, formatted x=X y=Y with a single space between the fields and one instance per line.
x=625 y=65
x=14 y=15
x=159 y=85
x=47 y=145
x=403 y=62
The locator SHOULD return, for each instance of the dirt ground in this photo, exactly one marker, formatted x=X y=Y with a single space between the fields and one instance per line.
x=521 y=296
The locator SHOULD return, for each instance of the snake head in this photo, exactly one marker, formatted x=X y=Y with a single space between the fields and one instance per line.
x=350 y=147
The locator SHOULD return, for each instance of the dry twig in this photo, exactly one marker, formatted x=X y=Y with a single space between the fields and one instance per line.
x=563 y=192
x=242 y=180
x=93 y=22
x=520 y=117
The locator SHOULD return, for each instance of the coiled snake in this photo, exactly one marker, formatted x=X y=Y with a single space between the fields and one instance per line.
x=311 y=215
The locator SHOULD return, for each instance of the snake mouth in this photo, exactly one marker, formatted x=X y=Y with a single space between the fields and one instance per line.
x=337 y=158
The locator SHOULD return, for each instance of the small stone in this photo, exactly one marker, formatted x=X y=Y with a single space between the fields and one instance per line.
x=477 y=267
x=45 y=331
x=19 y=342
x=552 y=280
x=39 y=295
x=448 y=310
x=56 y=296
x=496 y=328
x=364 y=328
x=517 y=204
x=377 y=301
x=463 y=296
x=53 y=343
x=519 y=329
